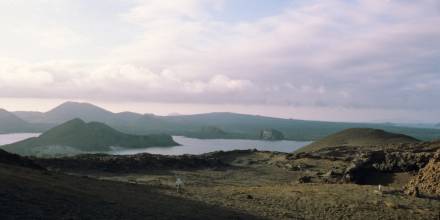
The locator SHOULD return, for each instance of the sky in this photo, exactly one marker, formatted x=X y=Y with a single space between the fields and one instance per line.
x=333 y=60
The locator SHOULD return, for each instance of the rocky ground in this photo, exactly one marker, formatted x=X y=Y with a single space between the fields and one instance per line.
x=27 y=193
x=427 y=182
x=341 y=183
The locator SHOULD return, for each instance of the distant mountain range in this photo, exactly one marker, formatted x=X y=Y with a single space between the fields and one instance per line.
x=77 y=135
x=416 y=125
x=220 y=125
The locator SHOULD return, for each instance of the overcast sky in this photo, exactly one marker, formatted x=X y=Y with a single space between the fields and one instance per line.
x=337 y=60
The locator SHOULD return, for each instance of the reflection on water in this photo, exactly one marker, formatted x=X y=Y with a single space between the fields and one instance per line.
x=12 y=138
x=199 y=146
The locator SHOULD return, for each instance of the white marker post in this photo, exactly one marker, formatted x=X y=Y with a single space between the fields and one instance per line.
x=179 y=185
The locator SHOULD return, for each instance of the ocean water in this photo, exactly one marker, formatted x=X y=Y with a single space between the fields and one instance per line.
x=12 y=138
x=201 y=146
x=188 y=145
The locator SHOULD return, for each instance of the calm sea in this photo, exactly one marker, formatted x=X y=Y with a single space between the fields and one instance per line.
x=188 y=145
x=199 y=146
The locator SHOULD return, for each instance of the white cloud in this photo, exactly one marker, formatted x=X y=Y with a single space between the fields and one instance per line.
x=315 y=45
x=109 y=82
x=148 y=12
x=59 y=38
x=351 y=54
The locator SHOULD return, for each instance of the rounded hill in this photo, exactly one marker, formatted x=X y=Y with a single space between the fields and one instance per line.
x=87 y=137
x=359 y=137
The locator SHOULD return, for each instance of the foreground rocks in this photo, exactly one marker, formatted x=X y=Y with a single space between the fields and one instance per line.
x=385 y=162
x=427 y=182
x=245 y=184
x=129 y=163
x=362 y=165
x=377 y=165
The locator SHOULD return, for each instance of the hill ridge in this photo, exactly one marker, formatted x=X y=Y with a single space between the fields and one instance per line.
x=359 y=137
x=236 y=125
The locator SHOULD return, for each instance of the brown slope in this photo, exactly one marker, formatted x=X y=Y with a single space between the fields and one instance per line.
x=27 y=193
x=359 y=137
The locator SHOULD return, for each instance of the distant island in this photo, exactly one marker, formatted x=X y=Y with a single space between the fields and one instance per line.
x=271 y=135
x=77 y=135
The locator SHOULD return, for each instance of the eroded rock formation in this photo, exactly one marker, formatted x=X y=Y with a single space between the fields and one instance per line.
x=427 y=182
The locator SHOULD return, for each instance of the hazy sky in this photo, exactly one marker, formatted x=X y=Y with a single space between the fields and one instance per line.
x=350 y=60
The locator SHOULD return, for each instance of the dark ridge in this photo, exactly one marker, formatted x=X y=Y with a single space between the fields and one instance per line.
x=16 y=160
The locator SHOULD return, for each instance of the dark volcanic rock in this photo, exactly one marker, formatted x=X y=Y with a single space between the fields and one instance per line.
x=130 y=163
x=16 y=160
x=305 y=179
x=365 y=162
x=386 y=162
x=392 y=161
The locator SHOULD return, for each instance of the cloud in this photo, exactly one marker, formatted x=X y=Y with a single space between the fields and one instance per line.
x=148 y=12
x=333 y=53
x=364 y=53
x=109 y=82
x=59 y=38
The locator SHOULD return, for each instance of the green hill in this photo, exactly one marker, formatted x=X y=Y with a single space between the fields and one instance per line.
x=358 y=137
x=78 y=135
